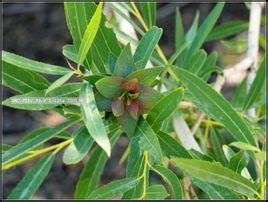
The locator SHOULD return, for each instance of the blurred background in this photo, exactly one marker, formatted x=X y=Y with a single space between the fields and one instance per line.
x=39 y=31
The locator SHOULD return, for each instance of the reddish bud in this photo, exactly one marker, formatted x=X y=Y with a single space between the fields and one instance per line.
x=118 y=107
x=133 y=108
x=131 y=85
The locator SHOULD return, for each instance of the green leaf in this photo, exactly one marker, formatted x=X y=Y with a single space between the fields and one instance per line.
x=217 y=174
x=92 y=119
x=198 y=155
x=217 y=142
x=226 y=30
x=238 y=162
x=213 y=104
x=91 y=173
x=244 y=146
x=156 y=192
x=113 y=189
x=146 y=46
x=190 y=35
x=69 y=52
x=162 y=109
x=110 y=86
x=236 y=46
x=134 y=154
x=5 y=147
x=177 y=53
x=171 y=147
x=145 y=76
x=256 y=86
x=32 y=65
x=179 y=31
x=208 y=65
x=128 y=123
x=205 y=28
x=171 y=179
x=148 y=141
x=196 y=62
x=78 y=16
x=33 y=179
x=239 y=97
x=63 y=91
x=89 y=34
x=77 y=150
x=148 y=10
x=125 y=63
x=138 y=170
x=22 y=80
x=20 y=149
x=214 y=191
x=148 y=96
x=59 y=82
x=228 y=152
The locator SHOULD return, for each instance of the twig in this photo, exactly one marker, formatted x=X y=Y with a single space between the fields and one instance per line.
x=253 y=45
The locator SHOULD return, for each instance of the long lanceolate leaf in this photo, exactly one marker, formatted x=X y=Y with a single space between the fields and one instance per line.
x=146 y=46
x=256 y=86
x=171 y=179
x=217 y=174
x=115 y=188
x=70 y=89
x=89 y=34
x=32 y=65
x=148 y=141
x=78 y=15
x=217 y=106
x=59 y=82
x=33 y=179
x=91 y=173
x=205 y=29
x=148 y=10
x=20 y=149
x=79 y=147
x=164 y=108
x=22 y=80
x=92 y=118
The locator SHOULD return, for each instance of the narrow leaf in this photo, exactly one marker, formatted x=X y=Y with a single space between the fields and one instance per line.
x=171 y=147
x=226 y=30
x=146 y=46
x=171 y=179
x=20 y=149
x=164 y=108
x=244 y=146
x=38 y=98
x=59 y=82
x=190 y=35
x=148 y=10
x=216 y=106
x=32 y=65
x=33 y=179
x=77 y=150
x=92 y=118
x=90 y=176
x=89 y=34
x=217 y=174
x=113 y=189
x=22 y=80
x=256 y=86
x=148 y=141
x=214 y=191
x=205 y=28
x=178 y=51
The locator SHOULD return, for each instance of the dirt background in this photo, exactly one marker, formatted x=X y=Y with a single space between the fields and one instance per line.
x=38 y=31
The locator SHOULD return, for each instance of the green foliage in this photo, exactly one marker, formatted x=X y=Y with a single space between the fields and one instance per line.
x=140 y=93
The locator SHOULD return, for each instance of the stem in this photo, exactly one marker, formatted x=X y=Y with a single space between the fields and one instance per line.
x=262 y=182
x=124 y=156
x=57 y=147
